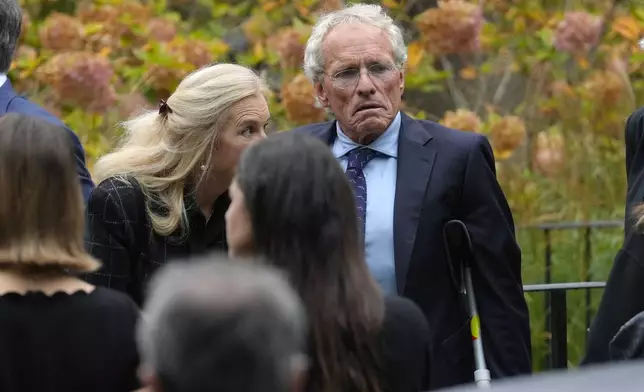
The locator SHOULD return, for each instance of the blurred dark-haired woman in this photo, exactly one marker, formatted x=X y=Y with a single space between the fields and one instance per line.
x=292 y=204
x=57 y=332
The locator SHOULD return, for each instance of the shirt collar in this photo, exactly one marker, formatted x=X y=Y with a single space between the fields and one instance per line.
x=386 y=144
x=3 y=79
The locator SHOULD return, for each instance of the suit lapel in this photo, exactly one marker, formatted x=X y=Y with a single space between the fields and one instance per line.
x=416 y=155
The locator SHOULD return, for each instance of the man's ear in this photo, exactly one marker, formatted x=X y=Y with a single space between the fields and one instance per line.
x=321 y=94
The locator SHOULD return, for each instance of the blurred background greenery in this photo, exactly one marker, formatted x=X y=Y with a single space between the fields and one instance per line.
x=550 y=82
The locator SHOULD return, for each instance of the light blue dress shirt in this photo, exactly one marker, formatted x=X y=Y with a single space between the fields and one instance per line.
x=380 y=175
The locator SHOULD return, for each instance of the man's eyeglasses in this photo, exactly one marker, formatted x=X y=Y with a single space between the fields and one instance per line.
x=349 y=77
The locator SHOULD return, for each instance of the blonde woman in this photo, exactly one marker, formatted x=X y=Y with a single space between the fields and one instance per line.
x=163 y=192
x=58 y=333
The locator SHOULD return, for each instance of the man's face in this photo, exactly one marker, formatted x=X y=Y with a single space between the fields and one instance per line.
x=361 y=84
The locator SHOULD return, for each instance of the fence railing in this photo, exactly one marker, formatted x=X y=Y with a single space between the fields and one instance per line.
x=557 y=305
x=556 y=310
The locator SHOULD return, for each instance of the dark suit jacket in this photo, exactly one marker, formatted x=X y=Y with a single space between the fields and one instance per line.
x=634 y=148
x=622 y=297
x=446 y=174
x=628 y=343
x=10 y=102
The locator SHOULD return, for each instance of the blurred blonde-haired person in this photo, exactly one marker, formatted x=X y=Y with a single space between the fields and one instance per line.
x=163 y=192
x=58 y=332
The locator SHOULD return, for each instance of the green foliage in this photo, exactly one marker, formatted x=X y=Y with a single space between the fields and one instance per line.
x=553 y=112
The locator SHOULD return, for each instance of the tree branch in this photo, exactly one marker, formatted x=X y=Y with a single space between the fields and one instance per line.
x=459 y=98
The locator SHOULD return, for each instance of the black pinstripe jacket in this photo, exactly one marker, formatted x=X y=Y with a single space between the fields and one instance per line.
x=119 y=234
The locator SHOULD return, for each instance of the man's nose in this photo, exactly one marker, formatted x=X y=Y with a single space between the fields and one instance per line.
x=365 y=84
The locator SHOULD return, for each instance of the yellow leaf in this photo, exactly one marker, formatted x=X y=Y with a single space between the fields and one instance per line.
x=502 y=155
x=628 y=27
x=583 y=63
x=415 y=54
x=519 y=24
x=468 y=73
x=258 y=51
x=93 y=28
x=391 y=4
x=302 y=9
x=269 y=6
x=105 y=52
x=538 y=15
x=219 y=47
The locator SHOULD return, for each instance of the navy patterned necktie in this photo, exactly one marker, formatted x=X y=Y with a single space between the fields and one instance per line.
x=357 y=160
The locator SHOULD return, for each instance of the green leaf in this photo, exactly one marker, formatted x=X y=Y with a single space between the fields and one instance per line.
x=93 y=28
x=487 y=67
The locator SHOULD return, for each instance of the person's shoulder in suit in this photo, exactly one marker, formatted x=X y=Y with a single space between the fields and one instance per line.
x=314 y=128
x=22 y=105
x=634 y=125
x=126 y=193
x=457 y=141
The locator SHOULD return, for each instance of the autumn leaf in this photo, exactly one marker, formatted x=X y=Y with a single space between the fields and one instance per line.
x=302 y=10
x=258 y=51
x=219 y=47
x=627 y=27
x=502 y=155
x=583 y=63
x=391 y=4
x=415 y=54
x=105 y=52
x=468 y=73
x=269 y=6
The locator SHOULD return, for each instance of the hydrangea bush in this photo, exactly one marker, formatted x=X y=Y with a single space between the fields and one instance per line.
x=549 y=82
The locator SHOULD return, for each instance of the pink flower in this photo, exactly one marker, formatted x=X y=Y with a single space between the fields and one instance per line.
x=578 y=32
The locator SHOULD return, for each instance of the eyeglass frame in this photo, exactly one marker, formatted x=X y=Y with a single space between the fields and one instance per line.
x=334 y=77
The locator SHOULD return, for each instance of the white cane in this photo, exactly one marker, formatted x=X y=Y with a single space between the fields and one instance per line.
x=460 y=256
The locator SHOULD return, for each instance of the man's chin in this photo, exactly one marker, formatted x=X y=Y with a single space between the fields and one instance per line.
x=372 y=125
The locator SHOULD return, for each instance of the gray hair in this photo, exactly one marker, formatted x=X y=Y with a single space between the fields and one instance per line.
x=10 y=25
x=211 y=324
x=369 y=14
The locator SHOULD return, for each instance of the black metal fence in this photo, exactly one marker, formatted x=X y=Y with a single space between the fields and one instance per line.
x=556 y=323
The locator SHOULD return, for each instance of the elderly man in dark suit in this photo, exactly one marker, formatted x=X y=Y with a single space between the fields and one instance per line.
x=410 y=178
x=10 y=102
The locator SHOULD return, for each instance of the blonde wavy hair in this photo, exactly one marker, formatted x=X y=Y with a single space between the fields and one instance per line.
x=638 y=214
x=162 y=152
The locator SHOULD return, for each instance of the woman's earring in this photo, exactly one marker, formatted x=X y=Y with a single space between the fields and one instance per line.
x=203 y=167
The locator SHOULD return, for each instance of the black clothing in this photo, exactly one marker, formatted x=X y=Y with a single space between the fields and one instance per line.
x=622 y=298
x=633 y=134
x=120 y=235
x=406 y=347
x=628 y=344
x=68 y=342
